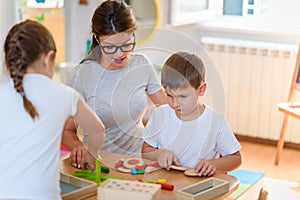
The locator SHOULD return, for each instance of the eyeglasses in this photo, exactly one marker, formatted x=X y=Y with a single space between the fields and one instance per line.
x=113 y=49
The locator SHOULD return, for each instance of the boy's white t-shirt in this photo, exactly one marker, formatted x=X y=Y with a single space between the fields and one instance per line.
x=206 y=137
x=30 y=150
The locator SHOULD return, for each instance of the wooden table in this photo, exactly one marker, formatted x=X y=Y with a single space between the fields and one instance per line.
x=176 y=178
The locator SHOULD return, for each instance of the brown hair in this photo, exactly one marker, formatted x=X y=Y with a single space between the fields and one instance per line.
x=109 y=18
x=181 y=69
x=24 y=44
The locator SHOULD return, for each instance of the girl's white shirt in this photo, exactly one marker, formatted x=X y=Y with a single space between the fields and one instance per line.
x=30 y=149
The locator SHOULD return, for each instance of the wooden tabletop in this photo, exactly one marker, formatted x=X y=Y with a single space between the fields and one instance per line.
x=176 y=178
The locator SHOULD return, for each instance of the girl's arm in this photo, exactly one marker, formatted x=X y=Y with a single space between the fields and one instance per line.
x=69 y=137
x=90 y=122
x=72 y=142
x=80 y=155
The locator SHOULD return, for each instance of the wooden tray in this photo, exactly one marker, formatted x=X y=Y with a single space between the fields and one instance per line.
x=203 y=190
x=74 y=188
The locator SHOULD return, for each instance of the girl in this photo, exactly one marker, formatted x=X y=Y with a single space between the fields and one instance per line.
x=33 y=112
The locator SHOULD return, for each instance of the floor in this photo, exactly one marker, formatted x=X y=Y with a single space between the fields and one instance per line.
x=259 y=157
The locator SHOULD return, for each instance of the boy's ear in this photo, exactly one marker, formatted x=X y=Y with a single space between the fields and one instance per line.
x=201 y=89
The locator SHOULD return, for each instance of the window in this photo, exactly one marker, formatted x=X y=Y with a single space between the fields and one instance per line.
x=188 y=11
x=51 y=14
x=277 y=15
x=45 y=3
x=244 y=7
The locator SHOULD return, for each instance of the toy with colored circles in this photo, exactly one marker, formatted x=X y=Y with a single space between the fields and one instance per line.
x=123 y=189
x=135 y=166
x=133 y=162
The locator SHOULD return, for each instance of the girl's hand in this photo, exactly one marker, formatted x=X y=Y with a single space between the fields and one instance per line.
x=165 y=158
x=205 y=168
x=81 y=158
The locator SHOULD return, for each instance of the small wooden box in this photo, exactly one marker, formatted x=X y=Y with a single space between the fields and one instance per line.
x=113 y=189
x=76 y=188
x=203 y=190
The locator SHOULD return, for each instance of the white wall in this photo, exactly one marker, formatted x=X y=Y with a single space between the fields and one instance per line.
x=78 y=28
x=168 y=39
x=8 y=17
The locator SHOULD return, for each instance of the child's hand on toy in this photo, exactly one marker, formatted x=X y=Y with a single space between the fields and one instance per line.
x=166 y=158
x=81 y=158
x=205 y=168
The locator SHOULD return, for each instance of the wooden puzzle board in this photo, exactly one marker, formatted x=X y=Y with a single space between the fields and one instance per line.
x=76 y=188
x=204 y=190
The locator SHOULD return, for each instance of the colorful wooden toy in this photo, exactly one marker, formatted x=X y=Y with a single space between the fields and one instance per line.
x=121 y=189
x=135 y=166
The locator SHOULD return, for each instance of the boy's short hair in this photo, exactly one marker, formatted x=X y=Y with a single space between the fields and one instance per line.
x=182 y=69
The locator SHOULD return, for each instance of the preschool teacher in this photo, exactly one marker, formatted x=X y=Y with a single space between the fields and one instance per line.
x=115 y=83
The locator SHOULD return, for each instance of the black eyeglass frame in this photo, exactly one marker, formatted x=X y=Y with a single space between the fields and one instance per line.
x=119 y=47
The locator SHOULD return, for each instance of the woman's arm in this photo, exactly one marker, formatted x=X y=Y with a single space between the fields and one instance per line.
x=158 y=98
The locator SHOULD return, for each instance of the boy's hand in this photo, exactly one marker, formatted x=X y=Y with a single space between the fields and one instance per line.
x=165 y=158
x=205 y=168
x=81 y=158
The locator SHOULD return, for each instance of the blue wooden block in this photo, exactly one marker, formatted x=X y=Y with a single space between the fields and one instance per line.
x=133 y=171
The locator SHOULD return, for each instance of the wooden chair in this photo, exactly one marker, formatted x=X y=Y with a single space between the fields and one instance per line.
x=289 y=108
x=263 y=194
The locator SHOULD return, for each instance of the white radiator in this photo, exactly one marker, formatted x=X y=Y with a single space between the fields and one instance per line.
x=256 y=77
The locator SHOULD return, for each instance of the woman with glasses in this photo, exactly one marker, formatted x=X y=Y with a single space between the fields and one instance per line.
x=115 y=83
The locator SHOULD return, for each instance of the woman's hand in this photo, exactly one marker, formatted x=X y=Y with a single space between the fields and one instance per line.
x=81 y=158
x=165 y=158
x=205 y=168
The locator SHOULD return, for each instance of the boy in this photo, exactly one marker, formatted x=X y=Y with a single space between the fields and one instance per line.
x=187 y=132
